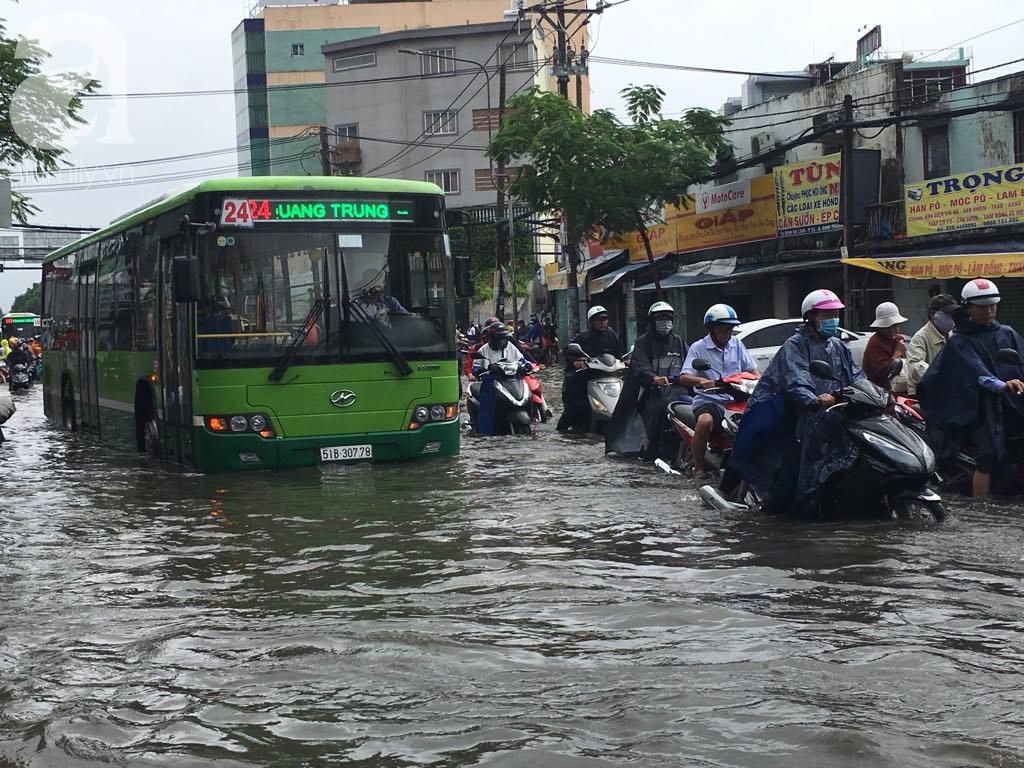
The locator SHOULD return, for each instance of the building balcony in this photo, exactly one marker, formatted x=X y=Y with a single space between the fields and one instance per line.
x=887 y=221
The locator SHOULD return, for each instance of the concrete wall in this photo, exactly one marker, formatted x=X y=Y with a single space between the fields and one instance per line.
x=394 y=111
x=979 y=141
x=871 y=85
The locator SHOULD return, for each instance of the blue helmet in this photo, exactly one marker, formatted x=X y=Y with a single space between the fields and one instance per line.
x=721 y=313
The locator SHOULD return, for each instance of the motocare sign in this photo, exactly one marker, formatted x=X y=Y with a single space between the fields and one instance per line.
x=743 y=212
x=807 y=195
x=991 y=198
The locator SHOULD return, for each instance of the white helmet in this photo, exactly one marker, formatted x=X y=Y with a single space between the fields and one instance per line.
x=595 y=311
x=822 y=298
x=981 y=292
x=661 y=306
x=721 y=313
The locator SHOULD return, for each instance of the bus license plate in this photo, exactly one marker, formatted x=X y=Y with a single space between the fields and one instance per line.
x=346 y=453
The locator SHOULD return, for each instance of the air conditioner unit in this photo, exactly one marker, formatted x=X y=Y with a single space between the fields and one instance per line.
x=764 y=140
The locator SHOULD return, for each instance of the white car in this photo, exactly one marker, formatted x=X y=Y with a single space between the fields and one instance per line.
x=762 y=338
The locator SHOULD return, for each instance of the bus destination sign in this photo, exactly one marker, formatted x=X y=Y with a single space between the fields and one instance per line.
x=243 y=212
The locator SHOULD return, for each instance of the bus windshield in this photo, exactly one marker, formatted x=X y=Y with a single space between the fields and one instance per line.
x=259 y=290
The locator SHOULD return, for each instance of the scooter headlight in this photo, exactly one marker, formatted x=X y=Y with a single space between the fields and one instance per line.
x=897 y=453
x=610 y=388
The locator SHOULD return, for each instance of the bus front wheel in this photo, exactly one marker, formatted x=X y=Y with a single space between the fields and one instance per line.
x=67 y=407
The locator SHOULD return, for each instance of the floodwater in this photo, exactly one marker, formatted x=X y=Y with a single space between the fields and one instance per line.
x=527 y=604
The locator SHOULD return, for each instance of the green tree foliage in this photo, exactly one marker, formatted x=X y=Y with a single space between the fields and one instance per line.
x=599 y=171
x=30 y=301
x=481 y=259
x=36 y=110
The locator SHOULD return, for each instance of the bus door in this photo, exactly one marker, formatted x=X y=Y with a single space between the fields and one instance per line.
x=88 y=397
x=175 y=362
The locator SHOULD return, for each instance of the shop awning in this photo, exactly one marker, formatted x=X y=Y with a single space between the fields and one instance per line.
x=560 y=280
x=689 y=281
x=604 y=282
x=945 y=267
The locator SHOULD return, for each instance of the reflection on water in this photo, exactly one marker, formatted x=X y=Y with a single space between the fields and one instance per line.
x=528 y=603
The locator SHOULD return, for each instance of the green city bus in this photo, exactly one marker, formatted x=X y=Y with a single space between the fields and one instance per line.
x=22 y=325
x=262 y=322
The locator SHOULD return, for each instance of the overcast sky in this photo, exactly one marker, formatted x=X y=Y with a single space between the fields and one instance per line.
x=185 y=45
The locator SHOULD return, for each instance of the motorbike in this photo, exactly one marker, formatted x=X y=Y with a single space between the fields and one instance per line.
x=890 y=474
x=684 y=421
x=20 y=379
x=545 y=350
x=512 y=396
x=539 y=410
x=604 y=375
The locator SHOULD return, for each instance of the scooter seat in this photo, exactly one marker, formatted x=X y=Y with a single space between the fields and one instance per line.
x=684 y=412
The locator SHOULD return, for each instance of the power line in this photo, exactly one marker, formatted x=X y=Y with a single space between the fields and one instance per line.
x=688 y=68
x=973 y=37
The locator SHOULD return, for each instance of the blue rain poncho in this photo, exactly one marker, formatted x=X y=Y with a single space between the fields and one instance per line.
x=784 y=451
x=962 y=389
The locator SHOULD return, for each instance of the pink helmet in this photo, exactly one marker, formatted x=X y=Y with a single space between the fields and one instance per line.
x=820 y=299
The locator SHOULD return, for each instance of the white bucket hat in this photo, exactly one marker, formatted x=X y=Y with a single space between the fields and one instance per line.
x=887 y=315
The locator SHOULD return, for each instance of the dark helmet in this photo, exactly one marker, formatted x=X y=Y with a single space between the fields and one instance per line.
x=492 y=326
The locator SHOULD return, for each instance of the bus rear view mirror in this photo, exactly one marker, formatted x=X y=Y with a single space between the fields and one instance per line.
x=185 y=279
x=463 y=286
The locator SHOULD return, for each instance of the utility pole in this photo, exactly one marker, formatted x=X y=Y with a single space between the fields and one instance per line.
x=499 y=208
x=847 y=204
x=325 y=152
x=563 y=67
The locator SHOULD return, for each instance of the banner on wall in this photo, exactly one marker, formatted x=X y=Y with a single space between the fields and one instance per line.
x=700 y=227
x=663 y=239
x=807 y=196
x=990 y=198
x=962 y=266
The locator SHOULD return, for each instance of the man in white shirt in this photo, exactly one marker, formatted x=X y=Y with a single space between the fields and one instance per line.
x=727 y=356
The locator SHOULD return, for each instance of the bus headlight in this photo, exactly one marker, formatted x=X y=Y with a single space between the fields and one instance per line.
x=437 y=413
x=257 y=423
x=239 y=423
x=421 y=414
x=424 y=414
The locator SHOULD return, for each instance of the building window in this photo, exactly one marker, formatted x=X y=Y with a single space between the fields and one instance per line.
x=936 y=152
x=298 y=49
x=433 y=63
x=346 y=132
x=355 y=61
x=1018 y=136
x=440 y=122
x=484 y=120
x=448 y=181
x=519 y=56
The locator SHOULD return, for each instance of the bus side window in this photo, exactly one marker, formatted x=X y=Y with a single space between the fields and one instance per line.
x=142 y=260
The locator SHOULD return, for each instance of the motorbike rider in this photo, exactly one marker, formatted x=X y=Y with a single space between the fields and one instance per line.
x=19 y=354
x=498 y=347
x=484 y=333
x=534 y=331
x=885 y=345
x=727 y=356
x=638 y=423
x=787 y=445
x=969 y=394
x=599 y=339
x=926 y=344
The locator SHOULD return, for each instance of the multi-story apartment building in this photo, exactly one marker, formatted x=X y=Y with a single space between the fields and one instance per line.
x=279 y=70
x=433 y=105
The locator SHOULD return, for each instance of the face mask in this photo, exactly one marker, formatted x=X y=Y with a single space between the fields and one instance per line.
x=829 y=328
x=943 y=322
x=663 y=327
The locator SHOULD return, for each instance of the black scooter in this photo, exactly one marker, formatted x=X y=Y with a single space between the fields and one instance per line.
x=21 y=381
x=890 y=475
x=512 y=396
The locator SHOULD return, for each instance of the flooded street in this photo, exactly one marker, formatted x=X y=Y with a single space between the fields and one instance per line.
x=529 y=603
